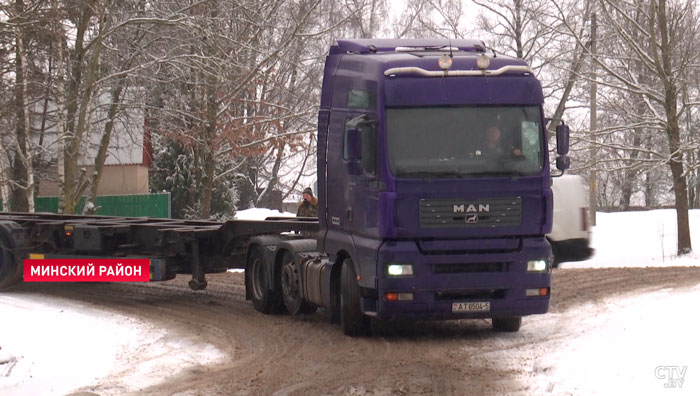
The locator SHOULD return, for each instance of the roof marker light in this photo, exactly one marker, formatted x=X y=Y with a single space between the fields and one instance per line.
x=483 y=61
x=445 y=62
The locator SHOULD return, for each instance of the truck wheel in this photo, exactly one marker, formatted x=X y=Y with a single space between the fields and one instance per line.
x=354 y=322
x=556 y=254
x=10 y=266
x=510 y=325
x=263 y=298
x=291 y=286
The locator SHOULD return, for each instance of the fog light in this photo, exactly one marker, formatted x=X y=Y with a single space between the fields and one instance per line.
x=537 y=265
x=393 y=296
x=399 y=269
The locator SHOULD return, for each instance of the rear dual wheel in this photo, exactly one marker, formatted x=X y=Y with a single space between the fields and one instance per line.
x=10 y=263
x=264 y=298
x=291 y=287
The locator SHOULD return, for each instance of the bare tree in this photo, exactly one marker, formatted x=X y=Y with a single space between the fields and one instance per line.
x=671 y=30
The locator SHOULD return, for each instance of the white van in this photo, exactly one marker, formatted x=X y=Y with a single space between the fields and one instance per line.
x=571 y=232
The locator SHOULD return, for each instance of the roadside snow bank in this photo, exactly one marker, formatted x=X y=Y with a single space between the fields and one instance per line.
x=640 y=345
x=53 y=346
x=640 y=239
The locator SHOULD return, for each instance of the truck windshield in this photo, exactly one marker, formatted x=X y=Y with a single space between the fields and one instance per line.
x=465 y=141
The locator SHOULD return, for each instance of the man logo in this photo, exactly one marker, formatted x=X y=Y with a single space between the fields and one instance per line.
x=472 y=219
x=471 y=208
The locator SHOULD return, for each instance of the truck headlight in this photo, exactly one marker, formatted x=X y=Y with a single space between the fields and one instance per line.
x=399 y=269
x=537 y=265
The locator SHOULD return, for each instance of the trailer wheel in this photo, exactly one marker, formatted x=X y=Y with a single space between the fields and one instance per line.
x=354 y=322
x=264 y=299
x=291 y=287
x=510 y=325
x=10 y=266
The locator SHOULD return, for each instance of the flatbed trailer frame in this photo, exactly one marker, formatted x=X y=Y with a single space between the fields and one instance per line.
x=174 y=246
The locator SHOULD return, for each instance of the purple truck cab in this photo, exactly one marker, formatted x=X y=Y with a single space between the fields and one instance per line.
x=431 y=216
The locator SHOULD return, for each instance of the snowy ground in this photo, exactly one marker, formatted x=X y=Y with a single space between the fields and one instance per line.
x=52 y=346
x=626 y=344
x=634 y=345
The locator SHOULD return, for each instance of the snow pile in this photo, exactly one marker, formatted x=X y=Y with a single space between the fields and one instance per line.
x=260 y=214
x=54 y=346
x=640 y=239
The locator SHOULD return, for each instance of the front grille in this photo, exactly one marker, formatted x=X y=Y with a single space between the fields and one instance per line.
x=458 y=213
x=470 y=295
x=470 y=267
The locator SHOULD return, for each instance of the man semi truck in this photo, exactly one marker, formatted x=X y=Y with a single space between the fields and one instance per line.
x=434 y=199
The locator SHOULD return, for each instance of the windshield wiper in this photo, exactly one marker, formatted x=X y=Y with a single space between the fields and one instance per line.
x=513 y=173
x=438 y=174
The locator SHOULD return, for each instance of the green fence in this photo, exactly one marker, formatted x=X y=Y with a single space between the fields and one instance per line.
x=149 y=205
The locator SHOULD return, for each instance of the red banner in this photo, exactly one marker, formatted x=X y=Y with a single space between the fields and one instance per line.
x=87 y=270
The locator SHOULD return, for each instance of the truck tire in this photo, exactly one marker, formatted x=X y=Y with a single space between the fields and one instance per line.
x=264 y=298
x=510 y=325
x=10 y=265
x=291 y=286
x=353 y=321
x=556 y=254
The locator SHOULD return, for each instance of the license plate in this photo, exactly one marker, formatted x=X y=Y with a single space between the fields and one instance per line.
x=471 y=306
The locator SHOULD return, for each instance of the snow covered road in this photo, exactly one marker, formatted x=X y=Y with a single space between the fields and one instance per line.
x=610 y=331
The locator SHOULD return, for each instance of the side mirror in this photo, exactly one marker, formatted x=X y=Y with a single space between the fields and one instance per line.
x=354 y=145
x=563 y=162
x=562 y=140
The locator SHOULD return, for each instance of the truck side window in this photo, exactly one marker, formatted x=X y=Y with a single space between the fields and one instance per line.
x=369 y=147
x=346 y=156
x=530 y=140
x=359 y=99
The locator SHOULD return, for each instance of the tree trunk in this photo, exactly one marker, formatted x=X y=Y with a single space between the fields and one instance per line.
x=82 y=129
x=274 y=177
x=630 y=174
x=104 y=145
x=209 y=148
x=680 y=187
x=70 y=166
x=663 y=57
x=23 y=168
x=59 y=98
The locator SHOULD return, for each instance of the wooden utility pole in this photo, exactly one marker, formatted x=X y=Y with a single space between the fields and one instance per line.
x=593 y=174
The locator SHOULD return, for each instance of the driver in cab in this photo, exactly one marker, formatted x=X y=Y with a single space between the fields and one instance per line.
x=493 y=146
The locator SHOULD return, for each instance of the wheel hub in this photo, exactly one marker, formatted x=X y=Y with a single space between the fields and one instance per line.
x=290 y=280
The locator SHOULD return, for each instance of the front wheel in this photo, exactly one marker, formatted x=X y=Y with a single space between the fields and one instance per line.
x=353 y=321
x=510 y=325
